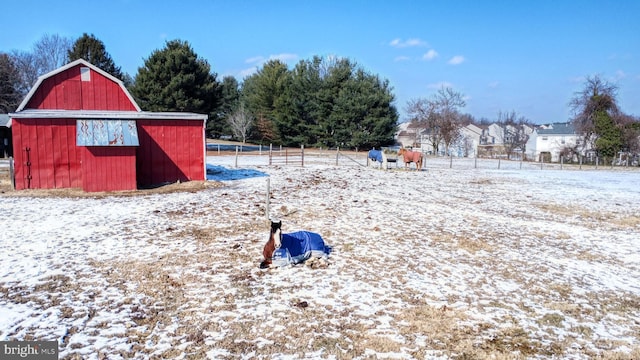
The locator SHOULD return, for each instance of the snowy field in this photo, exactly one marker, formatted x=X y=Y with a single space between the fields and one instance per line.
x=472 y=263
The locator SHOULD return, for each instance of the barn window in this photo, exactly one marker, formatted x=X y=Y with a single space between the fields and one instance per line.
x=85 y=74
x=99 y=132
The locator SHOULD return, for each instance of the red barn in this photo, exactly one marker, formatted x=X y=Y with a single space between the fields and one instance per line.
x=80 y=128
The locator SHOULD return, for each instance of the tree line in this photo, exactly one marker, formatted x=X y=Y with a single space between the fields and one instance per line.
x=328 y=102
x=597 y=118
x=325 y=102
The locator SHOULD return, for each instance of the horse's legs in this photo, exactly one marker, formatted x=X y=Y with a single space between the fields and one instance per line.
x=267 y=252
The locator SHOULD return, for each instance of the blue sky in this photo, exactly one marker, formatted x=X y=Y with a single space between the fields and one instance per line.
x=523 y=56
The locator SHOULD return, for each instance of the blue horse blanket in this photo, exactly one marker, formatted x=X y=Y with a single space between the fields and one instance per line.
x=299 y=246
x=375 y=155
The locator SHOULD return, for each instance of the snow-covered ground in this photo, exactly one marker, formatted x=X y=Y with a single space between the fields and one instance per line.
x=443 y=263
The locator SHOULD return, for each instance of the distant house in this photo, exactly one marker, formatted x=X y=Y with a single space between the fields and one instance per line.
x=469 y=141
x=80 y=128
x=548 y=142
x=408 y=134
x=5 y=136
x=484 y=140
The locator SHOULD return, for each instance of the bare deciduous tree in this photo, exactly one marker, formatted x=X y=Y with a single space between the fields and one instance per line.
x=596 y=95
x=49 y=53
x=241 y=122
x=446 y=103
x=422 y=114
x=439 y=116
x=514 y=132
x=27 y=70
x=9 y=80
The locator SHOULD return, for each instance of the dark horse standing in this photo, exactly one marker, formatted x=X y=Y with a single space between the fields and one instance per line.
x=291 y=248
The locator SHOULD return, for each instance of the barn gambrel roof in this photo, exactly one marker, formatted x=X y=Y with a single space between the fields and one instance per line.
x=72 y=64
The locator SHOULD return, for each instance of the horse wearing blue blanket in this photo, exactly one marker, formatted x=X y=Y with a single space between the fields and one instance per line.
x=292 y=248
x=377 y=156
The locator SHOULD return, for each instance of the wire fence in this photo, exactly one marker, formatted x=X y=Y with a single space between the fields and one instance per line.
x=280 y=156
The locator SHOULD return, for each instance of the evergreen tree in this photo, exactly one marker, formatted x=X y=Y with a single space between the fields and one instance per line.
x=321 y=103
x=264 y=96
x=364 y=111
x=229 y=103
x=91 y=49
x=176 y=79
x=10 y=96
x=609 y=140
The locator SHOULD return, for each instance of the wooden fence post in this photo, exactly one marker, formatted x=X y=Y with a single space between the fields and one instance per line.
x=12 y=173
x=580 y=157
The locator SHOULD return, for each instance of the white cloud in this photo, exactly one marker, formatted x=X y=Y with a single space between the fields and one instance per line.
x=255 y=59
x=401 y=58
x=493 y=84
x=247 y=72
x=439 y=85
x=457 y=60
x=261 y=59
x=258 y=61
x=284 y=57
x=399 y=43
x=576 y=79
x=430 y=55
x=619 y=75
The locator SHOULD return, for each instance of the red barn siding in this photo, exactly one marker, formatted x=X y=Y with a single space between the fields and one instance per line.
x=170 y=150
x=66 y=91
x=108 y=168
x=44 y=142
x=54 y=159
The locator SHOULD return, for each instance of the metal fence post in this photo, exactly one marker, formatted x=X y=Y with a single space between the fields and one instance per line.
x=266 y=211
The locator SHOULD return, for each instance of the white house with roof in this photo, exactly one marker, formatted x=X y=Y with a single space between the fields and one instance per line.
x=548 y=142
x=467 y=144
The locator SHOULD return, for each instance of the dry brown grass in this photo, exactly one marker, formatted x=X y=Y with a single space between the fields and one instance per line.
x=591 y=218
x=158 y=294
x=5 y=181
x=190 y=186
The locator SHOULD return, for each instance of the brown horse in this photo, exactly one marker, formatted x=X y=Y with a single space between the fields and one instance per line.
x=411 y=157
x=274 y=242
